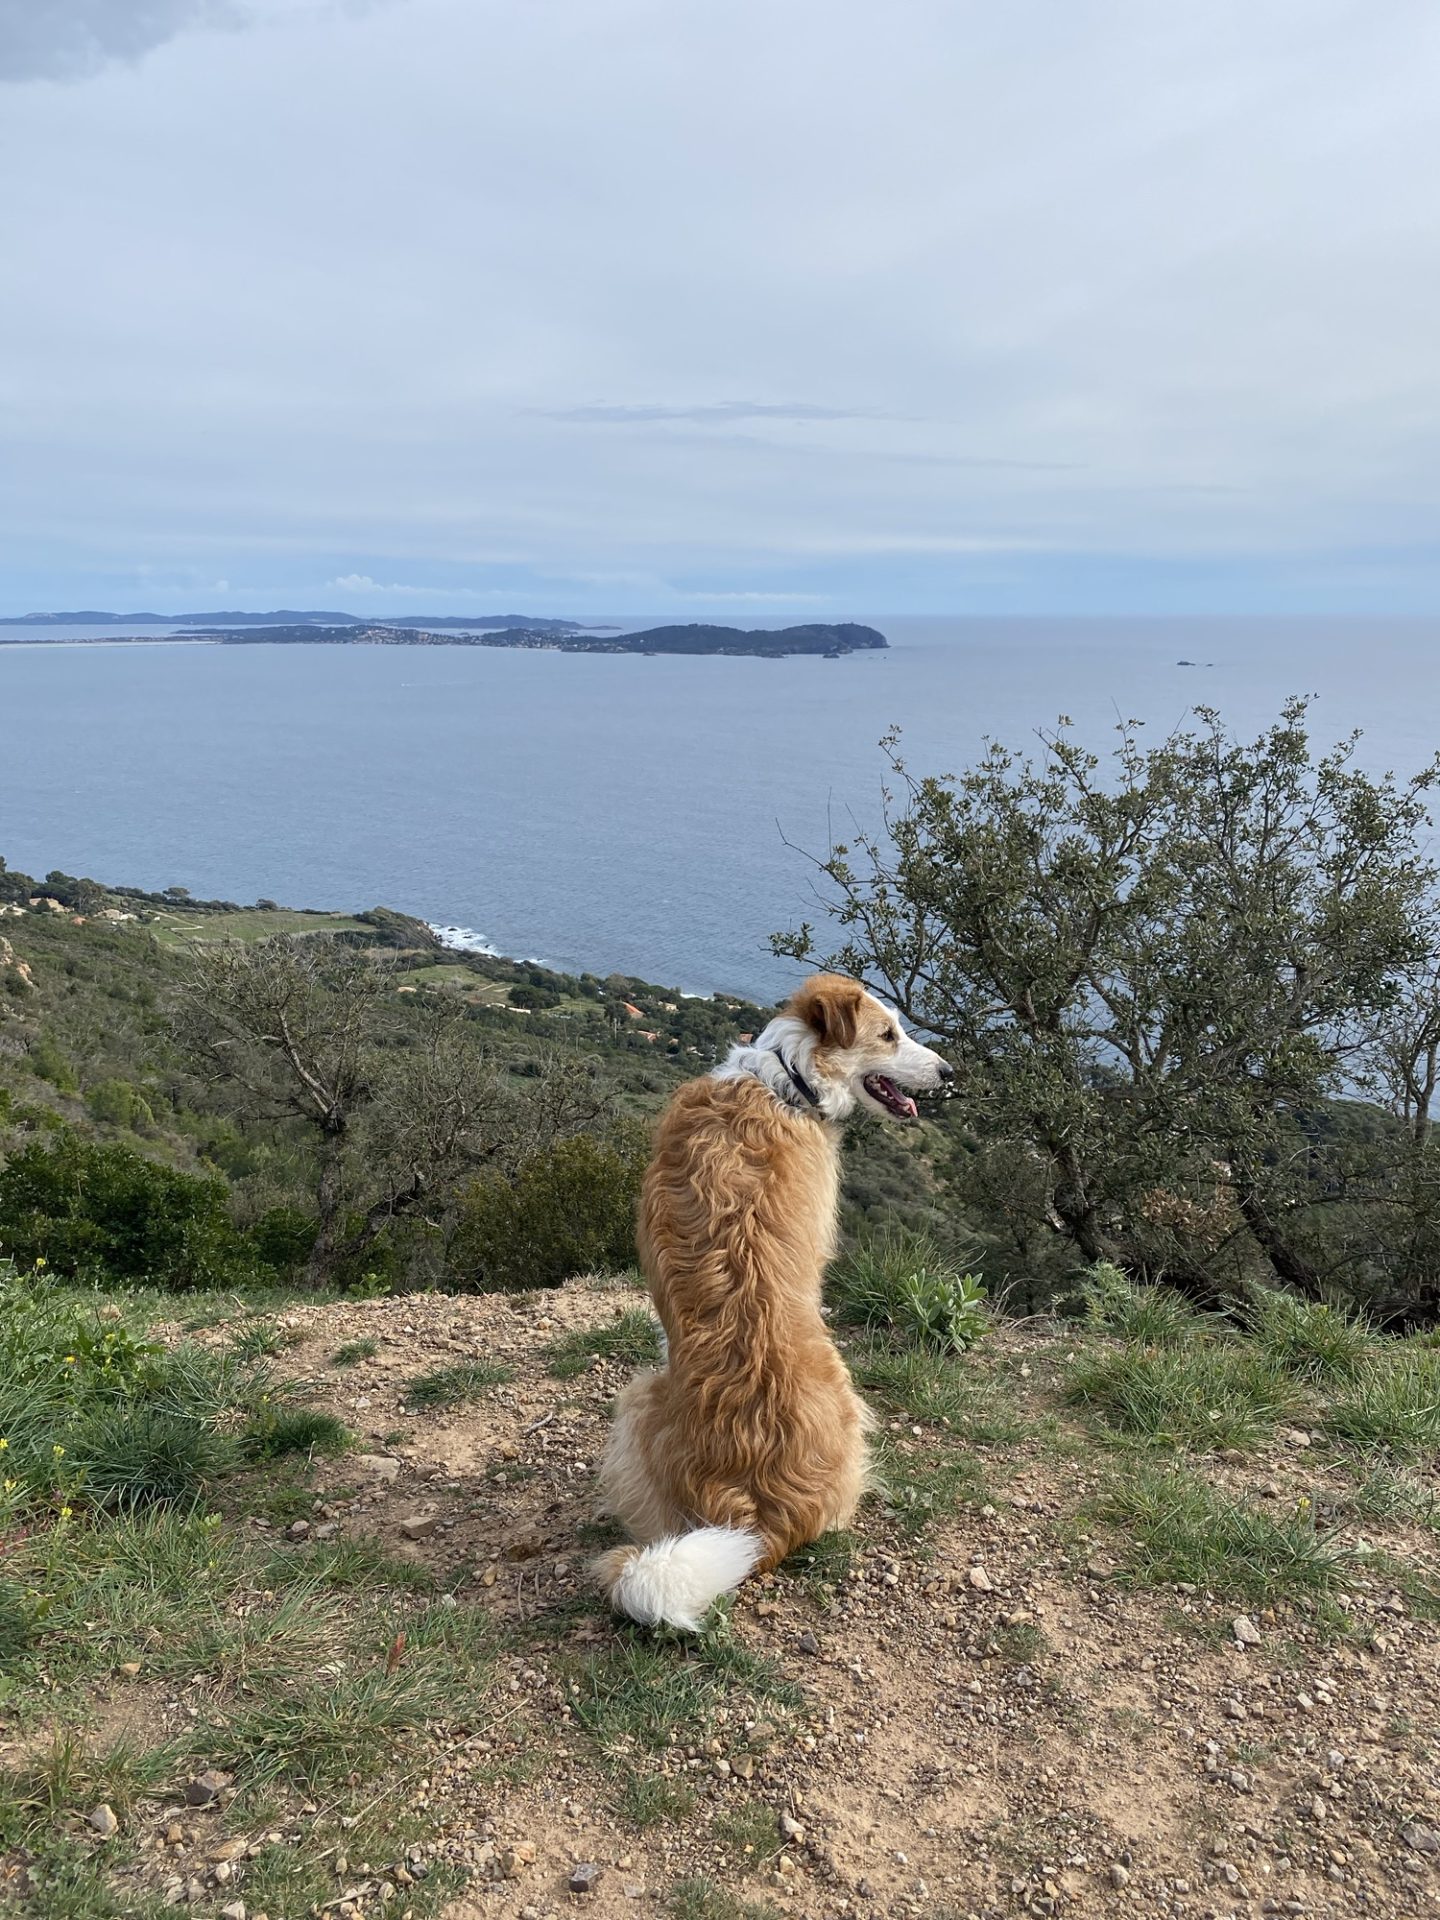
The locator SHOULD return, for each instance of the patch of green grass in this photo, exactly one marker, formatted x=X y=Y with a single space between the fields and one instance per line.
x=1392 y=1405
x=700 y=1899
x=297 y=1880
x=641 y=1692
x=1206 y=1394
x=633 y=1340
x=353 y=1352
x=823 y=1564
x=353 y=1563
x=281 y=1498
x=920 y=1487
x=453 y=1386
x=314 y=1727
x=68 y=1881
x=1146 y=1316
x=274 y=1431
x=1178 y=1529
x=1022 y=1644
x=649 y=1799
x=1392 y=1499
x=261 y=1340
x=1310 y=1341
x=139 y=1455
x=976 y=1405
x=905 y=1282
x=69 y=1774
x=750 y=1831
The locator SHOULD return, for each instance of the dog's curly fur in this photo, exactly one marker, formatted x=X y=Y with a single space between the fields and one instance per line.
x=751 y=1441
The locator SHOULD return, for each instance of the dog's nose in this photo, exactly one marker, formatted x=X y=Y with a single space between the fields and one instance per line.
x=947 y=1072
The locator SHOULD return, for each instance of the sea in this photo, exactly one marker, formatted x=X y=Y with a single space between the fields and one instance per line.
x=659 y=817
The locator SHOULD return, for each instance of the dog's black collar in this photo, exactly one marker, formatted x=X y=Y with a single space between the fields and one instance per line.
x=797 y=1080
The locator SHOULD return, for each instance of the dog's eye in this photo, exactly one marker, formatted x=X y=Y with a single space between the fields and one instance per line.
x=890 y=1037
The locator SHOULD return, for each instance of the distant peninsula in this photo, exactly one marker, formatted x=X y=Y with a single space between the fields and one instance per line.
x=285 y=617
x=286 y=628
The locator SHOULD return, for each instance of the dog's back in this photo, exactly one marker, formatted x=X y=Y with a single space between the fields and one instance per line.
x=753 y=1431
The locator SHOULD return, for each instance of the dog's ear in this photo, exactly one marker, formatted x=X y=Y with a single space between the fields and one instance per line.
x=830 y=1006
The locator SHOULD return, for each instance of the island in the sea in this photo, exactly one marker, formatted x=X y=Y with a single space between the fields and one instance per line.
x=830 y=641
x=286 y=628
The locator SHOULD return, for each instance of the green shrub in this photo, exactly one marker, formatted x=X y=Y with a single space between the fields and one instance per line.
x=47 y=1062
x=902 y=1281
x=282 y=1238
x=92 y=1211
x=116 y=1103
x=570 y=1210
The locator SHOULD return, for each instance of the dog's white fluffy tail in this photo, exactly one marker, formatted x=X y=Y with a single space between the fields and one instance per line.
x=677 y=1580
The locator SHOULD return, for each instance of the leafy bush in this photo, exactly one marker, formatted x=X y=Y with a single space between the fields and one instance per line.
x=570 y=1210
x=116 y=1103
x=900 y=1280
x=104 y=1212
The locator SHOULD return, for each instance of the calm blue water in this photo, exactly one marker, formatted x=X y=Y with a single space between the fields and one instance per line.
x=601 y=813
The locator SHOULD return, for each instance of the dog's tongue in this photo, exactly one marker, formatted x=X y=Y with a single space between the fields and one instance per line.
x=893 y=1097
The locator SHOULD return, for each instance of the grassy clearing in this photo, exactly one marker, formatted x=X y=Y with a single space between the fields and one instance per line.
x=455 y=1386
x=1392 y=1405
x=632 y=1340
x=1180 y=1530
x=310 y=1671
x=180 y=929
x=1209 y=1393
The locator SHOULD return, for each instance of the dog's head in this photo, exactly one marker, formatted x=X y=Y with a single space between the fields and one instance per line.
x=859 y=1052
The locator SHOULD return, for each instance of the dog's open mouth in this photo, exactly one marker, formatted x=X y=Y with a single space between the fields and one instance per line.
x=890 y=1097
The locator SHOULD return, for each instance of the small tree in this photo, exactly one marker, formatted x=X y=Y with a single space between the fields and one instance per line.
x=397 y=1113
x=1153 y=976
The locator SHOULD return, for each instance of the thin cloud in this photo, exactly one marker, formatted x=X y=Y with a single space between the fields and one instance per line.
x=632 y=414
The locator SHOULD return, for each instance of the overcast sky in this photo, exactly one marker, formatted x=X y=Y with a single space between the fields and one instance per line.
x=720 y=306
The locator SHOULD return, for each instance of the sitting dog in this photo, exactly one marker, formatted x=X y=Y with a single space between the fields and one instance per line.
x=751 y=1441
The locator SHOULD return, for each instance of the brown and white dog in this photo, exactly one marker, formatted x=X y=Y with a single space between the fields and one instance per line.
x=751 y=1441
